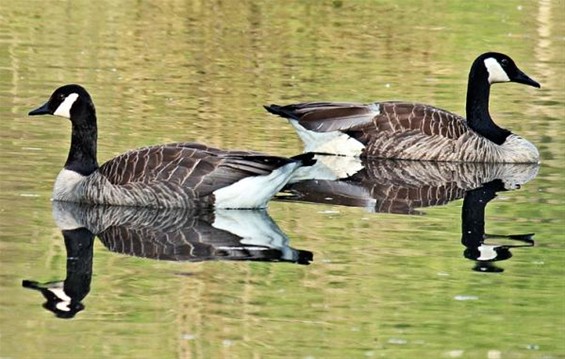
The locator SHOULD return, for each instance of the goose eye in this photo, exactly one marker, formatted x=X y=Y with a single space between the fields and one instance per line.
x=504 y=62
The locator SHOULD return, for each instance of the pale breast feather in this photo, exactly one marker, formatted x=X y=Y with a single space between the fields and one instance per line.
x=518 y=150
x=67 y=185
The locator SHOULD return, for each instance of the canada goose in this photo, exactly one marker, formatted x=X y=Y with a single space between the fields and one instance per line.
x=173 y=175
x=398 y=186
x=413 y=131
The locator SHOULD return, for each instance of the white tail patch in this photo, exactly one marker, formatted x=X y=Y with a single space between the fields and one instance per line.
x=64 y=109
x=255 y=228
x=328 y=167
x=335 y=142
x=495 y=72
x=254 y=192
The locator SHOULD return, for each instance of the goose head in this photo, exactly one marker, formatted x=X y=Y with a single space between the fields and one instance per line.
x=68 y=101
x=74 y=102
x=490 y=68
x=499 y=67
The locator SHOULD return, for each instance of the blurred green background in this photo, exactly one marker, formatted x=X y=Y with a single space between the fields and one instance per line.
x=381 y=285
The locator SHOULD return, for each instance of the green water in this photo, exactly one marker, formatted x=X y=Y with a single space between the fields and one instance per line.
x=380 y=285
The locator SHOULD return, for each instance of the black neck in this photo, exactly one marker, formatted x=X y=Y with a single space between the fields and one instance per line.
x=82 y=154
x=478 y=117
x=79 y=243
x=473 y=212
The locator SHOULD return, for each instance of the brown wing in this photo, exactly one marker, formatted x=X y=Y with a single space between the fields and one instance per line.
x=327 y=116
x=191 y=166
x=216 y=151
x=362 y=121
x=429 y=120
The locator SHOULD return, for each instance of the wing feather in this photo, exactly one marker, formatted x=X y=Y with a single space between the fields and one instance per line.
x=196 y=167
x=364 y=120
x=328 y=116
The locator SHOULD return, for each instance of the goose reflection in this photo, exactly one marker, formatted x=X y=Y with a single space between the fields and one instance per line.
x=396 y=186
x=170 y=234
x=404 y=187
x=485 y=249
x=64 y=298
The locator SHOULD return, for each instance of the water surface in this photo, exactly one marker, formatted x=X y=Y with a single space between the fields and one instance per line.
x=381 y=283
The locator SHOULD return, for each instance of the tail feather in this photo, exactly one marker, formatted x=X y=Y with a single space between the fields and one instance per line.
x=298 y=110
x=283 y=111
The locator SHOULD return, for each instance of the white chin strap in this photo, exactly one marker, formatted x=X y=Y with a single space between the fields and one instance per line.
x=495 y=72
x=64 y=109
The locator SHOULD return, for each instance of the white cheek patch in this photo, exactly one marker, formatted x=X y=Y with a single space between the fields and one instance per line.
x=64 y=109
x=495 y=72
